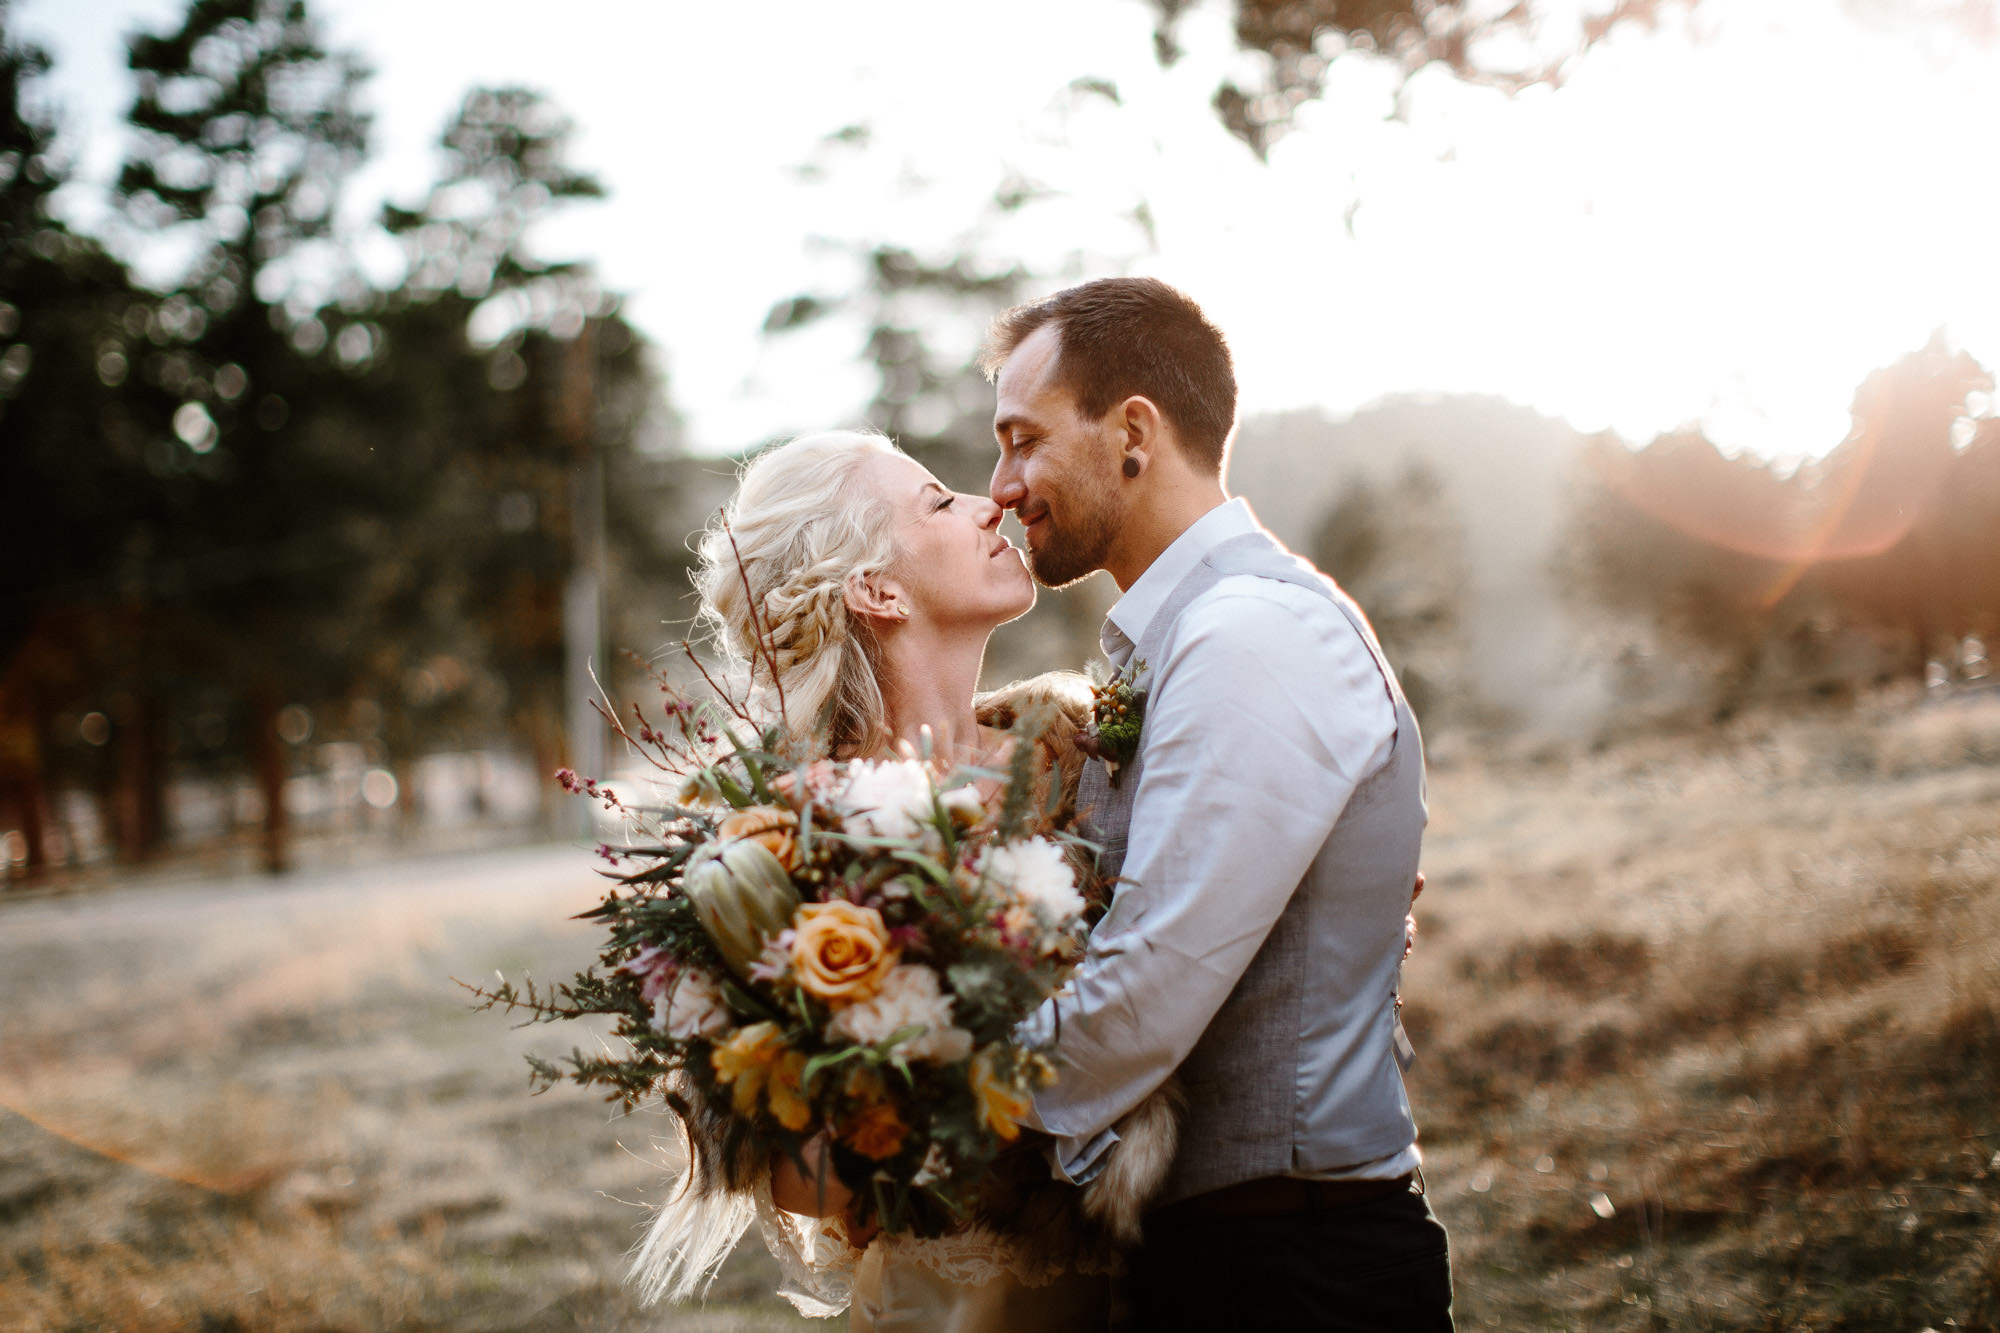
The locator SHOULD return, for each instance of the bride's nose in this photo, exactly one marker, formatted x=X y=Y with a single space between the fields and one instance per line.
x=989 y=512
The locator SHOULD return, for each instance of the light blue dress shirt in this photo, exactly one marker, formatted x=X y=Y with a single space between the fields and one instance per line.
x=1218 y=839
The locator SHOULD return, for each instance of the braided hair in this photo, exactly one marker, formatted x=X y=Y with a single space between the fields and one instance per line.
x=805 y=529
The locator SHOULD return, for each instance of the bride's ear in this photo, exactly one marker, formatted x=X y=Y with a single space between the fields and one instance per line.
x=877 y=598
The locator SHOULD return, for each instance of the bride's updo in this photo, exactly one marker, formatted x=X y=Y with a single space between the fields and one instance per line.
x=806 y=527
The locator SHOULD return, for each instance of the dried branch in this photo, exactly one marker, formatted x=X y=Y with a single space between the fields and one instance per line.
x=720 y=693
x=759 y=630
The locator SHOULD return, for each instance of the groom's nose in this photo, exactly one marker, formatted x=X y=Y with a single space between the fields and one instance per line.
x=1007 y=488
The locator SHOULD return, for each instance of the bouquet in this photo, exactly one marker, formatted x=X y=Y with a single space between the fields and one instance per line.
x=799 y=949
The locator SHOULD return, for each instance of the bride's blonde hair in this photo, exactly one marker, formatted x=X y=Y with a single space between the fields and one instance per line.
x=805 y=529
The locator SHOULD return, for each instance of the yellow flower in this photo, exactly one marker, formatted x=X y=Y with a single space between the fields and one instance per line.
x=766 y=824
x=743 y=1063
x=1002 y=1104
x=840 y=952
x=755 y=1061
x=787 y=1097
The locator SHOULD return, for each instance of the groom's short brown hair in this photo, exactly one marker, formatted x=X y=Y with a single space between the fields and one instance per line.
x=1126 y=336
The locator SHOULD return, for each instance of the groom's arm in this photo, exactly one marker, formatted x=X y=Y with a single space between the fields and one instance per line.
x=1267 y=714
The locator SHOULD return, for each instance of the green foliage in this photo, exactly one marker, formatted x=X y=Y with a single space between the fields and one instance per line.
x=1117 y=714
x=505 y=166
x=1814 y=584
x=247 y=125
x=269 y=483
x=1298 y=38
x=927 y=393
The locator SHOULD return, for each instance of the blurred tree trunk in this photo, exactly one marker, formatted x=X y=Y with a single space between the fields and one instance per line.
x=408 y=817
x=140 y=793
x=40 y=821
x=546 y=733
x=24 y=780
x=268 y=751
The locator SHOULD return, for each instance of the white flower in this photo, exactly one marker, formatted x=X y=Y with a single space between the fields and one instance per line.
x=934 y=1168
x=692 y=1007
x=1036 y=872
x=910 y=997
x=886 y=799
x=964 y=804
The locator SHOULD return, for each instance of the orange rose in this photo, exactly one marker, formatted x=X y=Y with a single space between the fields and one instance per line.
x=840 y=952
x=769 y=825
x=876 y=1133
x=872 y=1127
x=1002 y=1104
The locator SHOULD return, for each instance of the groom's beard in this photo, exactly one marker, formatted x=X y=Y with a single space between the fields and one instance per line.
x=1073 y=550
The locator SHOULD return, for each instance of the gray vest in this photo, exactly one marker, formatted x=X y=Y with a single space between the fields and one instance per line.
x=1298 y=1073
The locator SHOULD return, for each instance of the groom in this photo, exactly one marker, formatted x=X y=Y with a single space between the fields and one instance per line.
x=1267 y=830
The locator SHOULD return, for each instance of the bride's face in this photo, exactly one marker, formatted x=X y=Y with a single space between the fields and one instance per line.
x=952 y=565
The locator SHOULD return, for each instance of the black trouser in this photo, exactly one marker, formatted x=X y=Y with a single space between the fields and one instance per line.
x=1371 y=1266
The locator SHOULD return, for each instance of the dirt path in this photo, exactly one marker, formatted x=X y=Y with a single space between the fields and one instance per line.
x=263 y=1103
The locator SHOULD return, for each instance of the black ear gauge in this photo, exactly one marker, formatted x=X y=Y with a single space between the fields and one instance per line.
x=1131 y=466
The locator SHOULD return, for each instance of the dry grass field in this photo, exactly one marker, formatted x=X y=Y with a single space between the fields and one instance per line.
x=1708 y=1031
x=1709 y=1035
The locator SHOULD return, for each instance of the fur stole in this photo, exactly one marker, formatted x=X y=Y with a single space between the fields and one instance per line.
x=1057 y=1226
x=1057 y=705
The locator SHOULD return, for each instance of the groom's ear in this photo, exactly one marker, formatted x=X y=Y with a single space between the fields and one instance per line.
x=1141 y=432
x=874 y=597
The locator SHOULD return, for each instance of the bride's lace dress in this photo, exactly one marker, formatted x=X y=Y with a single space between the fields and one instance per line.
x=971 y=1281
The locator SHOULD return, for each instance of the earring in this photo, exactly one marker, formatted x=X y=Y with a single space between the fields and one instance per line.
x=902 y=611
x=1131 y=467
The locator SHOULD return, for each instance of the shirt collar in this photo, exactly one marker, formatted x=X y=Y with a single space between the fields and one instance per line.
x=1132 y=615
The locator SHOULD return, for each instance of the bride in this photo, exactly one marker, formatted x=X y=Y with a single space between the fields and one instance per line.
x=876 y=589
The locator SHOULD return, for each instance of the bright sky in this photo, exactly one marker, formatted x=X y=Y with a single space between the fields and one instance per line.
x=1728 y=221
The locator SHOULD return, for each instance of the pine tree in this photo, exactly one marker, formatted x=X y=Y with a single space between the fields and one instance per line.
x=246 y=128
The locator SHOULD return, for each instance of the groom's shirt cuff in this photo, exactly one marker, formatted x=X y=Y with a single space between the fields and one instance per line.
x=1076 y=1158
x=1079 y=1160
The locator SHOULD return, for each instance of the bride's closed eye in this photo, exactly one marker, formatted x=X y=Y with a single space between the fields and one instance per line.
x=943 y=504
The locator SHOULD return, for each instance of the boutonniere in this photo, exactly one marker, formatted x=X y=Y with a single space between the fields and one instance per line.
x=1117 y=712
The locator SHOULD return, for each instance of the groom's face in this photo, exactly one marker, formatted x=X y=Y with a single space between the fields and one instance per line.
x=1057 y=470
